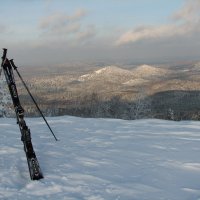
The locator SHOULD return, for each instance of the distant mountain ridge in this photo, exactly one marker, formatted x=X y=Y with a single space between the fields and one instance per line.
x=148 y=70
x=76 y=92
x=112 y=71
x=108 y=71
x=137 y=77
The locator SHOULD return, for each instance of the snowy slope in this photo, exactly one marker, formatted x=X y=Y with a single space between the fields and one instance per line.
x=98 y=159
x=108 y=72
x=145 y=71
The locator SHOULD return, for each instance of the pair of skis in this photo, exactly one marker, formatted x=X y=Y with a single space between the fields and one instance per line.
x=7 y=66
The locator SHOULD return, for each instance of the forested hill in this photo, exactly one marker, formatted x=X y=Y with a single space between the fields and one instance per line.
x=143 y=91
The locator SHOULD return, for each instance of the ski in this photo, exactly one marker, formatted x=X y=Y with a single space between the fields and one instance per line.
x=33 y=164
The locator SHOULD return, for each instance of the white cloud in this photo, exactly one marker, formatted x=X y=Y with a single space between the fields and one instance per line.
x=61 y=27
x=61 y=22
x=185 y=22
x=78 y=14
x=154 y=32
x=189 y=12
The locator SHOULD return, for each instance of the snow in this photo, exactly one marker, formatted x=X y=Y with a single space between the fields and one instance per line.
x=103 y=159
x=103 y=70
x=136 y=81
x=145 y=71
x=108 y=71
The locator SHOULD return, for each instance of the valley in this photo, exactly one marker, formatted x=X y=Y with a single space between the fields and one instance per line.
x=93 y=90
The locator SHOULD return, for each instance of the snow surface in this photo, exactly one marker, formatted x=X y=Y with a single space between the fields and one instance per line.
x=103 y=159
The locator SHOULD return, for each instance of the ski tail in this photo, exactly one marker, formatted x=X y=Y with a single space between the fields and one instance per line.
x=33 y=164
x=34 y=169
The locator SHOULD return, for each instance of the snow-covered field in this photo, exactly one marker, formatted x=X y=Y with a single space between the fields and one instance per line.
x=98 y=159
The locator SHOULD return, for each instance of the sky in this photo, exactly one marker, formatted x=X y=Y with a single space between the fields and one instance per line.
x=55 y=32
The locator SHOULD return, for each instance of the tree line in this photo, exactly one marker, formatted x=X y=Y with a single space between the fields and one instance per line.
x=171 y=105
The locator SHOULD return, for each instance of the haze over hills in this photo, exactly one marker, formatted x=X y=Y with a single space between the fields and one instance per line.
x=79 y=88
x=107 y=79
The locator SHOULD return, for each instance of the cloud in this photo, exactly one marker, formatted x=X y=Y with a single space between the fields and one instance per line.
x=62 y=23
x=189 y=12
x=154 y=32
x=3 y=28
x=185 y=22
x=68 y=29
x=87 y=34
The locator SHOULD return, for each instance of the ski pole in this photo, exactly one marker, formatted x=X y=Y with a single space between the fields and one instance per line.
x=15 y=68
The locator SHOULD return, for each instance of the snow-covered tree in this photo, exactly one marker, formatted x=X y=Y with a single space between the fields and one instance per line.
x=141 y=105
x=6 y=107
